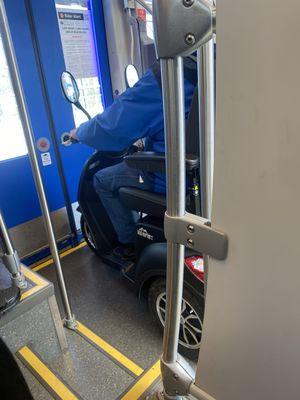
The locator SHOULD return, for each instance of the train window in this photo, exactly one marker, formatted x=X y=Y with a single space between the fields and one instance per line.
x=76 y=32
x=12 y=140
x=149 y=23
x=145 y=16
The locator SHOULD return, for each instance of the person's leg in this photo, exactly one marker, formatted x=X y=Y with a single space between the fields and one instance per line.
x=107 y=183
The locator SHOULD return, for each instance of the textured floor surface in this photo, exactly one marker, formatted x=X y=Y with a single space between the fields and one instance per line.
x=105 y=302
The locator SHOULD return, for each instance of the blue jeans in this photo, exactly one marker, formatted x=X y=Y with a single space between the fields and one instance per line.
x=107 y=183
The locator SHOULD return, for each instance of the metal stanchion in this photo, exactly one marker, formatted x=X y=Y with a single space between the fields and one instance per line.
x=206 y=90
x=172 y=80
x=10 y=257
x=25 y=119
x=180 y=28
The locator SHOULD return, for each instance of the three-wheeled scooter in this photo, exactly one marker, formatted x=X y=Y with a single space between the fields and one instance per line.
x=148 y=271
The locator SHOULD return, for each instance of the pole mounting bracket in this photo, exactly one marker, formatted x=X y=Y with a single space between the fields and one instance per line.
x=177 y=377
x=196 y=233
x=182 y=38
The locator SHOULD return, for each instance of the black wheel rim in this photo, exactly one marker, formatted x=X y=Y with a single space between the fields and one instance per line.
x=88 y=235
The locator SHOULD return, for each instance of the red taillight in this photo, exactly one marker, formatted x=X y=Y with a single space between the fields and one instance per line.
x=195 y=265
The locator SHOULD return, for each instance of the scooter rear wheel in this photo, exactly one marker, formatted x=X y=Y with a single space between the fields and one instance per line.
x=190 y=320
x=88 y=235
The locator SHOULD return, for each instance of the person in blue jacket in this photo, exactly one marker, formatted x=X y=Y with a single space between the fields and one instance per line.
x=136 y=114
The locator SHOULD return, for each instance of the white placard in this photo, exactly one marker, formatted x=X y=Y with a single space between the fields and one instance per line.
x=46 y=159
x=77 y=40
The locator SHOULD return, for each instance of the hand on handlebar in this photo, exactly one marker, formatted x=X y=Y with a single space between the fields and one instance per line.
x=73 y=134
x=69 y=138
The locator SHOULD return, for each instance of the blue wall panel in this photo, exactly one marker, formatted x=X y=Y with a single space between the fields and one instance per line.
x=18 y=197
x=101 y=50
x=17 y=169
x=75 y=156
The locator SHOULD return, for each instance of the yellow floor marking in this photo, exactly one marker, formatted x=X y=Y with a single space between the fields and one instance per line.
x=62 y=255
x=46 y=375
x=110 y=350
x=36 y=279
x=143 y=384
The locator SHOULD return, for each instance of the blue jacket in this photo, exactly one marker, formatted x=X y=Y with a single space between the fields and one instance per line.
x=136 y=114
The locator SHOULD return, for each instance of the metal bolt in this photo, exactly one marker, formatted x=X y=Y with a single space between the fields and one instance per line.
x=176 y=377
x=190 y=242
x=191 y=229
x=188 y=3
x=190 y=39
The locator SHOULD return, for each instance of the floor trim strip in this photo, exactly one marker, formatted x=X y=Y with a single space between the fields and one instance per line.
x=115 y=355
x=62 y=255
x=37 y=280
x=52 y=383
x=143 y=384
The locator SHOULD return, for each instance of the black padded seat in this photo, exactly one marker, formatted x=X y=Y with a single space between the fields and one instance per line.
x=143 y=201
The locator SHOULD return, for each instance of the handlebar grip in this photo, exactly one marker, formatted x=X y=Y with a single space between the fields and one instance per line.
x=67 y=140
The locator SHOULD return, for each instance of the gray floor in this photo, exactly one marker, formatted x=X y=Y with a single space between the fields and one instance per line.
x=107 y=304
x=104 y=301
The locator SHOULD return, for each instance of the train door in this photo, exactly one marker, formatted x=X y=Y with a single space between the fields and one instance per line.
x=44 y=33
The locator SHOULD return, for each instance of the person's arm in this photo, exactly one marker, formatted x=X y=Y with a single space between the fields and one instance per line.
x=133 y=115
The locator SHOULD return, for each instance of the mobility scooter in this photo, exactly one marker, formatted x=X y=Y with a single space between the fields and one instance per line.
x=148 y=271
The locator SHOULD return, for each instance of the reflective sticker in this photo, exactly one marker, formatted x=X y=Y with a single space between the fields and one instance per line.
x=43 y=144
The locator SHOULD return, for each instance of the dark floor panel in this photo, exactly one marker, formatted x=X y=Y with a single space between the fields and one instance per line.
x=103 y=300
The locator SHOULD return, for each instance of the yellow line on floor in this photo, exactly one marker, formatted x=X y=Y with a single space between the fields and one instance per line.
x=45 y=375
x=110 y=350
x=36 y=279
x=143 y=384
x=62 y=255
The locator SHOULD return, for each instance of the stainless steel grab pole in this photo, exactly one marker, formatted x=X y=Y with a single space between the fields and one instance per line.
x=4 y=235
x=206 y=83
x=25 y=119
x=206 y=89
x=174 y=114
x=10 y=256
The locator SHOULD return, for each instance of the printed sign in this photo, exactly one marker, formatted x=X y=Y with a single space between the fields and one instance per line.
x=77 y=40
x=46 y=159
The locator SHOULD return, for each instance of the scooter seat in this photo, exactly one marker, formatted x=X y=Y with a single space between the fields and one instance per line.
x=143 y=201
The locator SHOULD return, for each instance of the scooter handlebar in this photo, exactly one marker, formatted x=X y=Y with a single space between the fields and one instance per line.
x=67 y=139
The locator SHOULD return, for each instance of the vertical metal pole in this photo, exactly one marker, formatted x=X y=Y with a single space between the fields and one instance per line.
x=24 y=116
x=206 y=90
x=174 y=114
x=10 y=257
x=5 y=238
x=206 y=87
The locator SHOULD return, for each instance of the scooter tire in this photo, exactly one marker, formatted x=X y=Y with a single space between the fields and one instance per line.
x=88 y=236
x=156 y=291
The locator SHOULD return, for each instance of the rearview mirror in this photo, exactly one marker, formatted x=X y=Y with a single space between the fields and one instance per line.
x=131 y=75
x=69 y=87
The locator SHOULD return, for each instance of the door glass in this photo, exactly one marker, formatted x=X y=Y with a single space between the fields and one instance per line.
x=76 y=32
x=12 y=140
